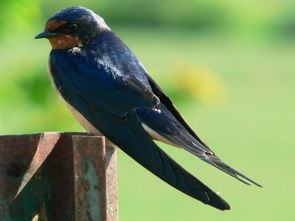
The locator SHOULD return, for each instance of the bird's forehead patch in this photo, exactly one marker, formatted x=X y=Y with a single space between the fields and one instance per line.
x=54 y=24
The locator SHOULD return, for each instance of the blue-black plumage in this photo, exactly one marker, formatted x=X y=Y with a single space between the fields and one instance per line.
x=109 y=89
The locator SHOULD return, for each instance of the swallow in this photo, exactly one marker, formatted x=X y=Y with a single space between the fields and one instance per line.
x=111 y=94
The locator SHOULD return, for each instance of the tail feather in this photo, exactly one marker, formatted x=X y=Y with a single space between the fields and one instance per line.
x=215 y=161
x=208 y=156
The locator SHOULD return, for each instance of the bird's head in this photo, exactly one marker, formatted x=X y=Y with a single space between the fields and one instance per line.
x=73 y=27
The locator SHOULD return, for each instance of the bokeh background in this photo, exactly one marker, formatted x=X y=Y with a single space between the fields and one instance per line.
x=228 y=65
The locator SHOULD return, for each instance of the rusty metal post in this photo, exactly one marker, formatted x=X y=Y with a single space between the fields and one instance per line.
x=57 y=176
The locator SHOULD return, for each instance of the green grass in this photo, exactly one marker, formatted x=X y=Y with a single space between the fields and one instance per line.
x=252 y=129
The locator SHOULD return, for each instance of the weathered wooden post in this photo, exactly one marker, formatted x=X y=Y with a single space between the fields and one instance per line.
x=57 y=176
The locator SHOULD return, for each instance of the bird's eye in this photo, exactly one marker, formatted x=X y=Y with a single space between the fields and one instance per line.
x=69 y=28
x=73 y=26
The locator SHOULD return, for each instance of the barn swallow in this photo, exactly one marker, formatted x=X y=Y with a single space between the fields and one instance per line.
x=111 y=94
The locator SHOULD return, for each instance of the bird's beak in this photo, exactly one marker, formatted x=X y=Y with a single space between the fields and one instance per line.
x=46 y=34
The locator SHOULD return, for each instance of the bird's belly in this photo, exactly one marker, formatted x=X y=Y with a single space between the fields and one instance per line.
x=84 y=122
x=88 y=126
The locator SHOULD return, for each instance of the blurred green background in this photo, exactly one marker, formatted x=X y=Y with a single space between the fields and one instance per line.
x=228 y=65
